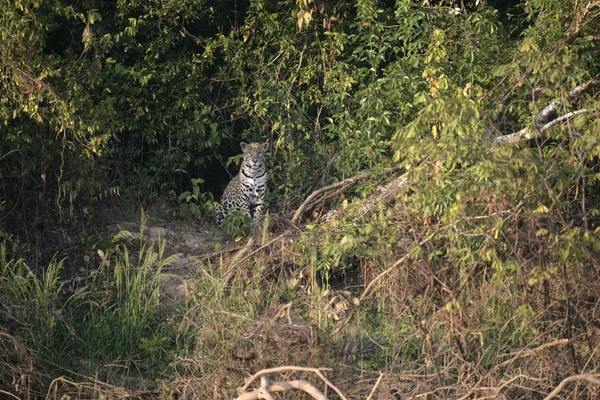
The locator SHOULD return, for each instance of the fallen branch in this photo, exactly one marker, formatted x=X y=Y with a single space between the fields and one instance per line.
x=267 y=387
x=283 y=386
x=592 y=378
x=309 y=199
x=387 y=193
x=527 y=133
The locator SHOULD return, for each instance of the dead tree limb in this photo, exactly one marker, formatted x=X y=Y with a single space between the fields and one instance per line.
x=287 y=385
x=313 y=195
x=267 y=387
x=546 y=116
x=386 y=194
x=593 y=38
x=528 y=133
x=546 y=113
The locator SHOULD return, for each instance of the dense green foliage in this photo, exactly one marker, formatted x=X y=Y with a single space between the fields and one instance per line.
x=489 y=248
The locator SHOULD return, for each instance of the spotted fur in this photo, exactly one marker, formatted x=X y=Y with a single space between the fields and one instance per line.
x=247 y=189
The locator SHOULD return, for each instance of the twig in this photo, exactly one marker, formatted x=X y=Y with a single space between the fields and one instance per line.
x=400 y=261
x=239 y=257
x=12 y=151
x=10 y=394
x=375 y=387
x=314 y=194
x=592 y=378
x=527 y=353
x=381 y=275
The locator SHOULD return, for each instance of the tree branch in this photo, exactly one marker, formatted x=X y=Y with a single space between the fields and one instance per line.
x=302 y=385
x=309 y=199
x=544 y=115
x=527 y=133
x=267 y=386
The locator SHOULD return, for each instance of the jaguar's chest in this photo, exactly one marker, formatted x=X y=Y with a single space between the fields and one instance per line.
x=252 y=188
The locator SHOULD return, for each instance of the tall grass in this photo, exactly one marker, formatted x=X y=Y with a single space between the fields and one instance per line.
x=32 y=308
x=122 y=303
x=116 y=316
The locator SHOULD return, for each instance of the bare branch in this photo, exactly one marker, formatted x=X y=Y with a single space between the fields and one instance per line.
x=400 y=261
x=527 y=133
x=345 y=182
x=9 y=394
x=267 y=387
x=593 y=38
x=381 y=275
x=529 y=352
x=243 y=390
x=545 y=114
x=565 y=117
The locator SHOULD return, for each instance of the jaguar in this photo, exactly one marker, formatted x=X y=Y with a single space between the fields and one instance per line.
x=246 y=191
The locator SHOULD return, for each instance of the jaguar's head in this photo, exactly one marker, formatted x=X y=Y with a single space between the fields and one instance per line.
x=254 y=153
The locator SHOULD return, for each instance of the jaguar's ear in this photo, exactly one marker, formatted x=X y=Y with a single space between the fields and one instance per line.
x=243 y=145
x=265 y=145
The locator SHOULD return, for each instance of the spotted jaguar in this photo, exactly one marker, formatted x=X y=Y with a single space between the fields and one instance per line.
x=246 y=191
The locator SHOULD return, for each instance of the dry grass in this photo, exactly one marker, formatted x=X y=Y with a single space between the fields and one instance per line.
x=385 y=330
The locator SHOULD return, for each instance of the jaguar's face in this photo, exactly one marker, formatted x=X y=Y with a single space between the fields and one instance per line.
x=254 y=153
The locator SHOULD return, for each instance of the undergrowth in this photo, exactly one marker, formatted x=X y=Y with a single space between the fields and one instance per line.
x=414 y=247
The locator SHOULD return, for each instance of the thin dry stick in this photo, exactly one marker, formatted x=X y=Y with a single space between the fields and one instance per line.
x=12 y=151
x=349 y=181
x=526 y=353
x=316 y=371
x=375 y=387
x=592 y=378
x=238 y=260
x=401 y=260
x=10 y=394
x=381 y=275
